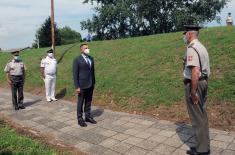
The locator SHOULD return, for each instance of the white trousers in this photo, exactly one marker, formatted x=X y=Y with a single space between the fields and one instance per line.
x=50 y=81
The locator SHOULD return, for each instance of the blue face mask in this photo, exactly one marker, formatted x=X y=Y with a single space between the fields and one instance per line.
x=17 y=58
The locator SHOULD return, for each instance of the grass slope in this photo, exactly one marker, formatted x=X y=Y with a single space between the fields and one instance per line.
x=12 y=143
x=142 y=72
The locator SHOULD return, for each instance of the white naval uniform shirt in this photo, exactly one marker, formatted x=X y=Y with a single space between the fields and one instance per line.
x=192 y=59
x=230 y=19
x=49 y=65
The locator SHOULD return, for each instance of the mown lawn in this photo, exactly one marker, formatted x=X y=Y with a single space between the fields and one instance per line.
x=143 y=72
x=12 y=143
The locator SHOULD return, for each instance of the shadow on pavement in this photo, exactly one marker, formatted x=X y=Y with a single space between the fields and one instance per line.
x=61 y=94
x=97 y=113
x=27 y=104
x=186 y=135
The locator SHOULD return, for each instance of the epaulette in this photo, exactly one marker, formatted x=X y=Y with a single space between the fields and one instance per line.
x=191 y=45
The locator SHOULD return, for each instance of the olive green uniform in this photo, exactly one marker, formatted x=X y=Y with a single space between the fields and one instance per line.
x=197 y=56
x=16 y=71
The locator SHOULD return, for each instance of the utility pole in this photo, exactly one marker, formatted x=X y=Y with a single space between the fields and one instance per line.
x=38 y=42
x=52 y=26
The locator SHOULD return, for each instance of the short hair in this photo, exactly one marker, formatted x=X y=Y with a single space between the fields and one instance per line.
x=195 y=33
x=83 y=45
x=50 y=51
x=15 y=52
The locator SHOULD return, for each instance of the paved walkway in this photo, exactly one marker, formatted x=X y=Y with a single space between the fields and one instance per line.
x=115 y=134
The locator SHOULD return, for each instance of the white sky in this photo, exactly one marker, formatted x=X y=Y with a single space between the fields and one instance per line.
x=19 y=20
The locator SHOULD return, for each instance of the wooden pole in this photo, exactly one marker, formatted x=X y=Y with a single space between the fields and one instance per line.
x=52 y=26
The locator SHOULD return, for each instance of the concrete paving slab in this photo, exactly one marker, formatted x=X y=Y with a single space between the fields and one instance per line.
x=116 y=133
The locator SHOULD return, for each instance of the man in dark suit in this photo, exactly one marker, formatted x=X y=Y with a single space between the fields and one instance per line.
x=84 y=81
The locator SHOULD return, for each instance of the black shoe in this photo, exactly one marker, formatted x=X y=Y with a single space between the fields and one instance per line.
x=22 y=107
x=193 y=148
x=193 y=151
x=90 y=120
x=81 y=122
x=17 y=108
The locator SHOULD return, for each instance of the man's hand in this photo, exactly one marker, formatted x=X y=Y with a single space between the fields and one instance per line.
x=195 y=98
x=78 y=90
x=9 y=81
x=194 y=84
x=43 y=76
x=42 y=72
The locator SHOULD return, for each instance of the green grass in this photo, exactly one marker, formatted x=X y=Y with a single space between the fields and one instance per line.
x=144 y=70
x=12 y=143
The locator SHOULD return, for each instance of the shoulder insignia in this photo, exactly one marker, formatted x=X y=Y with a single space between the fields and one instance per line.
x=190 y=58
x=191 y=45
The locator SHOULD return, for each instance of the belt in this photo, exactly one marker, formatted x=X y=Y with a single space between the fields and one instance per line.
x=186 y=81
x=50 y=74
x=16 y=75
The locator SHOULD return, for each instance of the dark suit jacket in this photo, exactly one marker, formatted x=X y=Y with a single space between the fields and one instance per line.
x=83 y=75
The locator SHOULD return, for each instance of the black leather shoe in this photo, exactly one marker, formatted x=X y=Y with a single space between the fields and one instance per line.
x=193 y=151
x=22 y=107
x=17 y=108
x=193 y=148
x=90 y=120
x=81 y=122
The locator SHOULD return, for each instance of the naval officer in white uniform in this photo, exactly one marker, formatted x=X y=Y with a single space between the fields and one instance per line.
x=48 y=71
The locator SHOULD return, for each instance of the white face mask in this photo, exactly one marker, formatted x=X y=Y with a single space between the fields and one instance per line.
x=185 y=39
x=51 y=55
x=87 y=51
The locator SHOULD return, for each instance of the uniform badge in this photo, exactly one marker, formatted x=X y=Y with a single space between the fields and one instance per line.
x=190 y=58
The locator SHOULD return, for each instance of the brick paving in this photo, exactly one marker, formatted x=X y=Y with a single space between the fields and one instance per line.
x=116 y=133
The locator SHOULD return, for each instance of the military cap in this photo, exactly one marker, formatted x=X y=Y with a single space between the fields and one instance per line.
x=191 y=28
x=15 y=52
x=50 y=51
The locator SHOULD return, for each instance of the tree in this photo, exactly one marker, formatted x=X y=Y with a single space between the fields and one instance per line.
x=44 y=35
x=127 y=18
x=69 y=36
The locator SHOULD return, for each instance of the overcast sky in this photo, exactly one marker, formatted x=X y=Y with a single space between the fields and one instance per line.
x=19 y=19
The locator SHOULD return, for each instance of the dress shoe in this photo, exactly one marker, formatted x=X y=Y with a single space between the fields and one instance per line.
x=22 y=107
x=90 y=120
x=193 y=148
x=54 y=99
x=81 y=122
x=193 y=151
x=17 y=108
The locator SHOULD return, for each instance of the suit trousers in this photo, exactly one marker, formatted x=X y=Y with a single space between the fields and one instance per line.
x=17 y=87
x=84 y=102
x=198 y=116
x=50 y=81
